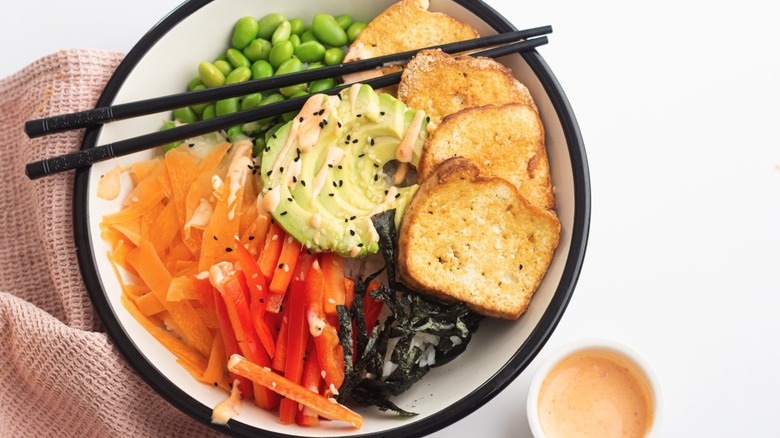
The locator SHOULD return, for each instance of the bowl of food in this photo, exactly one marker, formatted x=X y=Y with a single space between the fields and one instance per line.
x=379 y=262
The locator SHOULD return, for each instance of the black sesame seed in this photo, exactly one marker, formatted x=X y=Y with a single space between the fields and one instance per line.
x=281 y=169
x=360 y=245
x=352 y=218
x=215 y=383
x=269 y=172
x=295 y=179
x=330 y=165
x=358 y=115
x=331 y=194
x=372 y=142
x=341 y=182
x=340 y=167
x=354 y=141
x=250 y=166
x=273 y=135
x=352 y=232
x=303 y=183
x=335 y=184
x=289 y=199
x=300 y=119
x=267 y=148
x=346 y=220
x=321 y=112
x=281 y=266
x=283 y=213
x=297 y=158
x=192 y=145
x=349 y=137
x=322 y=125
x=215 y=237
x=251 y=237
x=228 y=249
x=325 y=121
x=376 y=177
x=521 y=267
x=262 y=300
x=376 y=165
x=361 y=155
x=339 y=124
x=381 y=113
x=397 y=195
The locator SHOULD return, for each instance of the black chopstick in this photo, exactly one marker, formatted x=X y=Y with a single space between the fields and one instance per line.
x=89 y=156
x=97 y=116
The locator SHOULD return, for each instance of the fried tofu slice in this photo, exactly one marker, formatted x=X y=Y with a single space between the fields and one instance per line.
x=490 y=249
x=407 y=25
x=506 y=141
x=441 y=84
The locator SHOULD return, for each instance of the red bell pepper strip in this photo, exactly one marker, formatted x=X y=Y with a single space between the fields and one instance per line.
x=271 y=250
x=310 y=380
x=235 y=294
x=334 y=291
x=285 y=266
x=297 y=335
x=231 y=345
x=326 y=338
x=258 y=293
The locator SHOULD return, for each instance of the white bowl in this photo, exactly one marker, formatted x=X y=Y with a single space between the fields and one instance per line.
x=631 y=358
x=166 y=59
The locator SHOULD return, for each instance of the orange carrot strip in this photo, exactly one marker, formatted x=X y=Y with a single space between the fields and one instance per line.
x=264 y=376
x=152 y=271
x=285 y=266
x=216 y=370
x=280 y=355
x=181 y=288
x=182 y=170
x=231 y=344
x=334 y=292
x=149 y=305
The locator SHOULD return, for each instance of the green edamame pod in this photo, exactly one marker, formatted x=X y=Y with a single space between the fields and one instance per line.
x=344 y=20
x=244 y=31
x=282 y=33
x=310 y=51
x=334 y=55
x=209 y=112
x=227 y=106
x=328 y=31
x=271 y=98
x=314 y=65
x=296 y=26
x=354 y=30
x=240 y=74
x=268 y=24
x=251 y=100
x=321 y=85
x=223 y=66
x=210 y=74
x=280 y=52
x=236 y=58
x=257 y=49
x=262 y=69
x=169 y=146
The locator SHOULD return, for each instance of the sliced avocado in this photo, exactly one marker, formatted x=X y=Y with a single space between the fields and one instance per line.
x=325 y=193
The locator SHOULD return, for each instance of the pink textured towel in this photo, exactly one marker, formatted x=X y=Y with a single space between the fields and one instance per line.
x=60 y=375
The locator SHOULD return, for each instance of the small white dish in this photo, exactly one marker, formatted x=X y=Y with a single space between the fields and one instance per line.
x=561 y=365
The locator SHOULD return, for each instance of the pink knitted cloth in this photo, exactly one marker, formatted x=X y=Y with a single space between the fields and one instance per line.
x=60 y=374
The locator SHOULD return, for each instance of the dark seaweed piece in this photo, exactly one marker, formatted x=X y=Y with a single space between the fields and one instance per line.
x=345 y=328
x=384 y=223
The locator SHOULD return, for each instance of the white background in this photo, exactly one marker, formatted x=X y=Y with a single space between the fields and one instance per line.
x=678 y=106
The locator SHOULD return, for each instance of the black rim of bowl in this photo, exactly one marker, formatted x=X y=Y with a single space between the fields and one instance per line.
x=460 y=409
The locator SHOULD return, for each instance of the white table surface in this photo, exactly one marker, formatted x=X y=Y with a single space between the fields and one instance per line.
x=678 y=106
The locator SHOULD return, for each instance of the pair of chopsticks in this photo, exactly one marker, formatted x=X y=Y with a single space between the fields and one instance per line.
x=505 y=44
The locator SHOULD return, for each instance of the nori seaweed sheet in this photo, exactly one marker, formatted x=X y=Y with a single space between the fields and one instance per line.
x=410 y=313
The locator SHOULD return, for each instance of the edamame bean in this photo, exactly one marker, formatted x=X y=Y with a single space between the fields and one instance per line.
x=334 y=55
x=310 y=51
x=169 y=146
x=295 y=40
x=251 y=100
x=198 y=108
x=268 y=24
x=328 y=31
x=185 y=115
x=210 y=74
x=271 y=98
x=262 y=69
x=292 y=65
x=286 y=117
x=194 y=83
x=240 y=74
x=354 y=30
x=236 y=58
x=296 y=26
x=223 y=66
x=236 y=133
x=257 y=49
x=282 y=33
x=209 y=112
x=227 y=106
x=314 y=65
x=280 y=52
x=344 y=20
x=244 y=31
x=308 y=35
x=321 y=85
